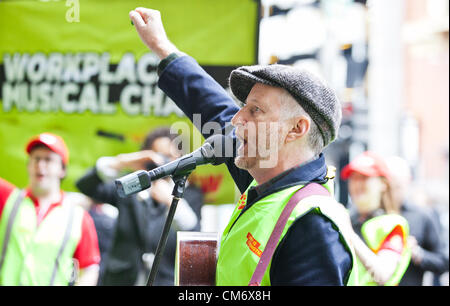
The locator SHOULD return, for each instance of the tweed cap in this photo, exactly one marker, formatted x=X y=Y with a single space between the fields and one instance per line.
x=318 y=100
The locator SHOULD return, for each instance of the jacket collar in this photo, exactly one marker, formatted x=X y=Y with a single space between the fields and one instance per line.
x=312 y=171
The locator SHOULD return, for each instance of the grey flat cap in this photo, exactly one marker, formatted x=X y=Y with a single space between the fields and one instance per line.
x=318 y=100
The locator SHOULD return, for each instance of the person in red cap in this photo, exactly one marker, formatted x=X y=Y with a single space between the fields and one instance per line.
x=44 y=240
x=369 y=184
x=380 y=237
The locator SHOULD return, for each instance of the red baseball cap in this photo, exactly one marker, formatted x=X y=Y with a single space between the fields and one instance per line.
x=53 y=142
x=368 y=164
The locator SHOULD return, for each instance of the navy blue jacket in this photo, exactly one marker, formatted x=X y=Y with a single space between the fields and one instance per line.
x=310 y=252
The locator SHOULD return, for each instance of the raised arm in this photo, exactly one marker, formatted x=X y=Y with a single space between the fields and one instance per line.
x=194 y=91
x=182 y=79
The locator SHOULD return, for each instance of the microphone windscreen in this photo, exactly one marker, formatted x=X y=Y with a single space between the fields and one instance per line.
x=224 y=148
x=132 y=183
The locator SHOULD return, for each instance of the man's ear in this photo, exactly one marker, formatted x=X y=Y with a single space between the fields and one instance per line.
x=299 y=129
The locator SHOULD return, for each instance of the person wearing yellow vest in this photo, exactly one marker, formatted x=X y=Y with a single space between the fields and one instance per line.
x=381 y=233
x=287 y=117
x=43 y=239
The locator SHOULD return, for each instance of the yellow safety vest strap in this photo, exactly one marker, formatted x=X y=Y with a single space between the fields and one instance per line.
x=10 y=224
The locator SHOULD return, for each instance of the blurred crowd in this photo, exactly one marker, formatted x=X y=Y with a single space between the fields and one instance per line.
x=407 y=237
x=91 y=237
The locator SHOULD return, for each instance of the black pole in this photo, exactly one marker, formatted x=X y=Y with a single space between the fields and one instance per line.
x=178 y=190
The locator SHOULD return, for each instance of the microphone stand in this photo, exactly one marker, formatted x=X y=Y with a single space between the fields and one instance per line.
x=178 y=191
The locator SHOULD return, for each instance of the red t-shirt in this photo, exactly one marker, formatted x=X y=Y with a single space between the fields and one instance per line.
x=87 y=252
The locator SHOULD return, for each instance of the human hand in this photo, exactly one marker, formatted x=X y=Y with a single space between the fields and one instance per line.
x=416 y=250
x=161 y=191
x=137 y=160
x=150 y=28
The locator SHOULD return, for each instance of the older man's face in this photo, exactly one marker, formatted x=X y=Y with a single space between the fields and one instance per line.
x=259 y=128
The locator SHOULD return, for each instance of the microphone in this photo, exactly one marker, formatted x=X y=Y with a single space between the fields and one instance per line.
x=215 y=150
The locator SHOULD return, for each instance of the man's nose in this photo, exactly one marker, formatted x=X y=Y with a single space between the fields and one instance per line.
x=41 y=164
x=238 y=118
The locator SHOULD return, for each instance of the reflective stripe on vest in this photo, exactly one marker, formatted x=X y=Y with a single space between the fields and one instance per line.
x=39 y=255
x=246 y=235
x=375 y=231
x=9 y=225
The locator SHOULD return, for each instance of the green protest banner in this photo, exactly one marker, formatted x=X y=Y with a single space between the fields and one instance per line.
x=78 y=69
